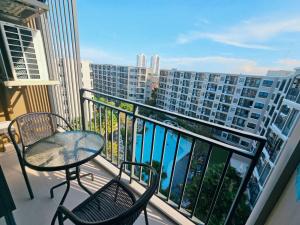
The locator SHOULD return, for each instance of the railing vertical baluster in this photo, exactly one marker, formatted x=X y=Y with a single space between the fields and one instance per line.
x=90 y=116
x=244 y=182
x=201 y=179
x=125 y=147
x=134 y=133
x=82 y=102
x=106 y=142
x=152 y=150
x=173 y=165
x=95 y=116
x=119 y=133
x=218 y=189
x=100 y=120
x=142 y=149
x=162 y=158
x=112 y=134
x=187 y=171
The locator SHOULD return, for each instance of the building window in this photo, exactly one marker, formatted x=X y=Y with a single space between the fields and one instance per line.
x=233 y=138
x=259 y=105
x=282 y=85
x=238 y=121
x=263 y=94
x=251 y=125
x=248 y=92
x=245 y=102
x=245 y=143
x=265 y=174
x=252 y=82
x=292 y=118
x=294 y=90
x=282 y=116
x=242 y=112
x=267 y=83
x=255 y=116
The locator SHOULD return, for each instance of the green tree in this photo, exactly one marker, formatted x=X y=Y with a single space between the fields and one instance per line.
x=153 y=98
x=228 y=192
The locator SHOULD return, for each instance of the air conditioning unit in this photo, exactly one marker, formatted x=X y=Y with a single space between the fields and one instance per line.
x=22 y=56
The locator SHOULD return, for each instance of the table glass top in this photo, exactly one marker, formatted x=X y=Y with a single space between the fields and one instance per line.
x=64 y=150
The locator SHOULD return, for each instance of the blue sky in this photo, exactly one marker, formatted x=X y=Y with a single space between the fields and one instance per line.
x=237 y=36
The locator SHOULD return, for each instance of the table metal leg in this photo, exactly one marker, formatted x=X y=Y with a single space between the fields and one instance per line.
x=56 y=186
x=79 y=181
x=68 y=179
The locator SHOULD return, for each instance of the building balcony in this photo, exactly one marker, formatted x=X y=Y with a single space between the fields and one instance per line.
x=194 y=167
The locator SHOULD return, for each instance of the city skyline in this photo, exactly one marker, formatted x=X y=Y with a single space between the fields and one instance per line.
x=236 y=41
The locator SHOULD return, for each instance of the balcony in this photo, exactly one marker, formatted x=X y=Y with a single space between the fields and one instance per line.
x=194 y=167
x=204 y=178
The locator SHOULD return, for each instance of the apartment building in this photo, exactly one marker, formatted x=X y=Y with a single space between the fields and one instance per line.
x=277 y=126
x=127 y=82
x=265 y=105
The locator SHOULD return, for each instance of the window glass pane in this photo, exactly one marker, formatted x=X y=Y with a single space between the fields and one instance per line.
x=282 y=116
x=290 y=121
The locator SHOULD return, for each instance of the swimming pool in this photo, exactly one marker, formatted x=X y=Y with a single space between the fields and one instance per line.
x=184 y=149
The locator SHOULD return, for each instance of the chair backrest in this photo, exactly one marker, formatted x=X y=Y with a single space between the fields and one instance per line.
x=33 y=127
x=130 y=216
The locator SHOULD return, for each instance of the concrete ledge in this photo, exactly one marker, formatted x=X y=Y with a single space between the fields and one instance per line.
x=155 y=201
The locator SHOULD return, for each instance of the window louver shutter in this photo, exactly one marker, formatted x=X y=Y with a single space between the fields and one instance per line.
x=26 y=52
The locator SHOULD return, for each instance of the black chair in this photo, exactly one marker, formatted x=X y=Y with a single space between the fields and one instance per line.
x=33 y=127
x=7 y=204
x=113 y=204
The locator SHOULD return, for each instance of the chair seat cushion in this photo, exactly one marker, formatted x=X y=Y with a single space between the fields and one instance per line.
x=110 y=201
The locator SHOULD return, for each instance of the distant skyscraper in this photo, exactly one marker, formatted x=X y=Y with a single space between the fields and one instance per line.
x=141 y=60
x=155 y=64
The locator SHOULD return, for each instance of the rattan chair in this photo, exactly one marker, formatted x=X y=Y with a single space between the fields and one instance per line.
x=33 y=127
x=113 y=204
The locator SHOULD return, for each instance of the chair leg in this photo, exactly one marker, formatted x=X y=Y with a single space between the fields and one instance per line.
x=60 y=218
x=9 y=218
x=146 y=216
x=56 y=186
x=27 y=180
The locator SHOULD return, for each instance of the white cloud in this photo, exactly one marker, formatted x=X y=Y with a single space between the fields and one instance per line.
x=96 y=55
x=216 y=64
x=248 y=34
x=291 y=63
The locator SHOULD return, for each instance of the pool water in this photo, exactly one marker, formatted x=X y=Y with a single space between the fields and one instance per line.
x=184 y=149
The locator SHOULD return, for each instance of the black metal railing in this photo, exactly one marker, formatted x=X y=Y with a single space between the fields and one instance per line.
x=196 y=169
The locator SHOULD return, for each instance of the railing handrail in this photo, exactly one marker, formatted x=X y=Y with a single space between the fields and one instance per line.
x=196 y=120
x=229 y=147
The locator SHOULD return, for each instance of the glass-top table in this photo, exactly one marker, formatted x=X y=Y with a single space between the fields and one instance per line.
x=64 y=151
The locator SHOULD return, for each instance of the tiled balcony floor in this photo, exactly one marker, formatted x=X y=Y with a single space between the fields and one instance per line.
x=40 y=210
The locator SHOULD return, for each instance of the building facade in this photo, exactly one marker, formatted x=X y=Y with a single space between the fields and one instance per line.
x=155 y=64
x=127 y=82
x=277 y=126
x=265 y=105
x=141 y=60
